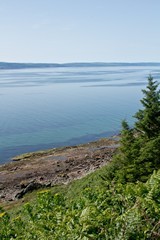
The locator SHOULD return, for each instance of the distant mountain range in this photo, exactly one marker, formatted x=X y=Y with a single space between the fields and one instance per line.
x=9 y=65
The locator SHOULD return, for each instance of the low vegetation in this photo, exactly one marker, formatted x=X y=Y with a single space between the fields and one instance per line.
x=121 y=201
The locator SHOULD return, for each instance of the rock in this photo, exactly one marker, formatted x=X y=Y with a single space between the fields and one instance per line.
x=2 y=196
x=48 y=184
x=86 y=156
x=30 y=187
x=56 y=167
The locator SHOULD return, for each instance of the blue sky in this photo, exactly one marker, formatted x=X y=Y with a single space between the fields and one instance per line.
x=79 y=30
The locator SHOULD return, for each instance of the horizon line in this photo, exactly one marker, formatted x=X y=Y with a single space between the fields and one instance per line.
x=79 y=62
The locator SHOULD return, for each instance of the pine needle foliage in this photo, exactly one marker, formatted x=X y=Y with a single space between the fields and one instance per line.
x=148 y=118
x=139 y=152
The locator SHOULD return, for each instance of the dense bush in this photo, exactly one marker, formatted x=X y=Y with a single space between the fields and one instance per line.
x=117 y=211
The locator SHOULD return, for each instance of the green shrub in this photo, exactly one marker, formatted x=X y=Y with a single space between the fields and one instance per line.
x=114 y=211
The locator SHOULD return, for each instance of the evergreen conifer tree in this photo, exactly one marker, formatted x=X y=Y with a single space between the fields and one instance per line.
x=148 y=119
x=127 y=139
x=139 y=153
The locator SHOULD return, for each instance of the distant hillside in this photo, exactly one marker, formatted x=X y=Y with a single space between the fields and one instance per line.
x=9 y=65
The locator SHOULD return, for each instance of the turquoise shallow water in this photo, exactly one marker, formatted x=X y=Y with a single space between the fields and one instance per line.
x=50 y=107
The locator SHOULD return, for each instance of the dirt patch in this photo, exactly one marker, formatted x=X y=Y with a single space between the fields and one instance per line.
x=42 y=169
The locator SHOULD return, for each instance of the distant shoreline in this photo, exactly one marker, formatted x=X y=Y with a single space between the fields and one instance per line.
x=14 y=65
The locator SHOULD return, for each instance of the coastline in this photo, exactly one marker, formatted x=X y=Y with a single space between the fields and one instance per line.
x=62 y=165
x=8 y=153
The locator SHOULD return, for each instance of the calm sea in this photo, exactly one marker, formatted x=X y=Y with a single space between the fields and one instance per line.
x=51 y=107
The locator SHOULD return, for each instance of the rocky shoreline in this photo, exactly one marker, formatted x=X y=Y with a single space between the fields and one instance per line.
x=32 y=171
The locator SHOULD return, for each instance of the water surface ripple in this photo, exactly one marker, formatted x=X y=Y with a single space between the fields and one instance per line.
x=51 y=107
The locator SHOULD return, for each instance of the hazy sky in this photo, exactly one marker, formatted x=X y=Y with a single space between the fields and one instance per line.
x=79 y=30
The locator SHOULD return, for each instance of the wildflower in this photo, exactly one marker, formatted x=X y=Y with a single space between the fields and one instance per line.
x=56 y=194
x=44 y=191
x=17 y=218
x=2 y=214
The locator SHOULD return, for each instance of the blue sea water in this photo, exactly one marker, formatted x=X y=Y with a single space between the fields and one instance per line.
x=50 y=107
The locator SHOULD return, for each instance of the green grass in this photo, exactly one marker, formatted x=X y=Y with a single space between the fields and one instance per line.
x=89 y=208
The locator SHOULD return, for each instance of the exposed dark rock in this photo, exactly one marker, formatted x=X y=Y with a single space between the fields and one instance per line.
x=30 y=187
x=58 y=166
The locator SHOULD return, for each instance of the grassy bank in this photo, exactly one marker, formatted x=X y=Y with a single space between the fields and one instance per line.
x=88 y=208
